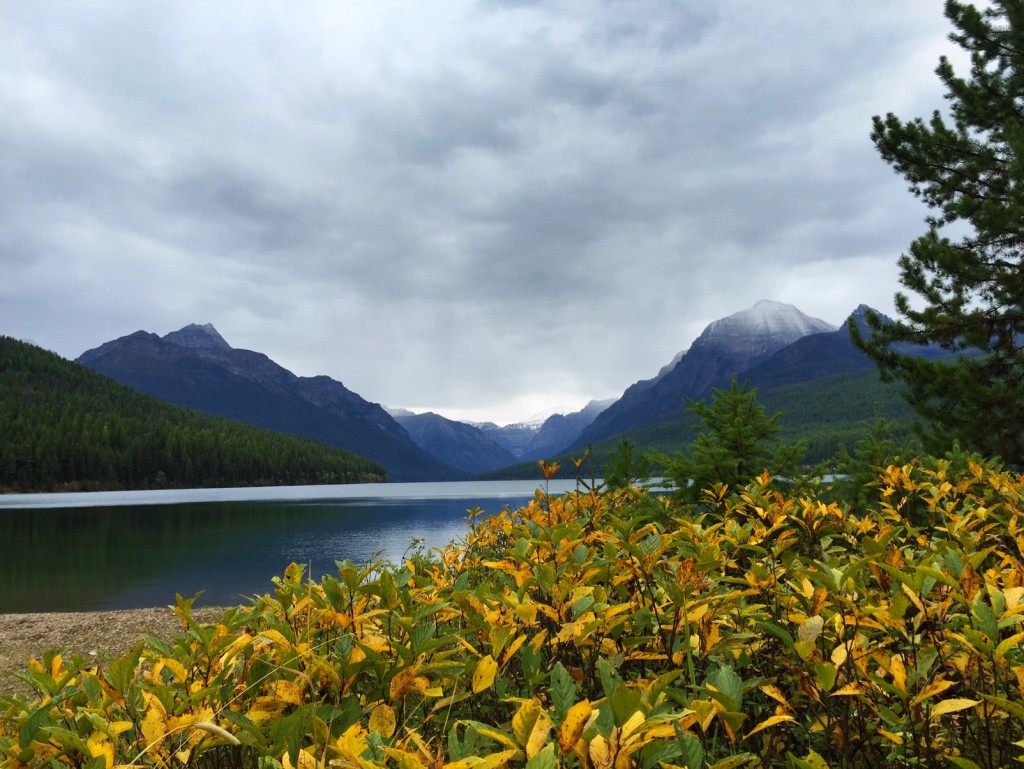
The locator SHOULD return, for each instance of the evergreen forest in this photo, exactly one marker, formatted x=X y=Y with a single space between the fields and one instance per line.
x=66 y=428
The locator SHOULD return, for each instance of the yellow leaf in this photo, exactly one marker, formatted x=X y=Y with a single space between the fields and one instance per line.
x=405 y=681
x=352 y=743
x=768 y=723
x=839 y=654
x=850 y=690
x=633 y=723
x=154 y=728
x=705 y=710
x=538 y=735
x=914 y=598
x=258 y=715
x=99 y=745
x=571 y=729
x=404 y=759
x=524 y=720
x=495 y=735
x=306 y=761
x=484 y=674
x=270 y=636
x=600 y=753
x=698 y=612
x=289 y=692
x=935 y=687
x=512 y=649
x=891 y=736
x=173 y=665
x=383 y=720
x=899 y=673
x=117 y=727
x=492 y=761
x=952 y=706
x=776 y=694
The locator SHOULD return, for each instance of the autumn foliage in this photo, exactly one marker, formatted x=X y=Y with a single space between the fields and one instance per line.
x=601 y=629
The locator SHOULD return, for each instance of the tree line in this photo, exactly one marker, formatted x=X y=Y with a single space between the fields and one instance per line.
x=65 y=428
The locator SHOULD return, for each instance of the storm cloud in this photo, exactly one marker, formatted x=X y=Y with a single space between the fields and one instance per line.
x=480 y=208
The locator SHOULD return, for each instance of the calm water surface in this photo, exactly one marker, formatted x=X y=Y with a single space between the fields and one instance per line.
x=118 y=550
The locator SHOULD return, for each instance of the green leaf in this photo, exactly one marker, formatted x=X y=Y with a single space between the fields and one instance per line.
x=605 y=722
x=530 y=659
x=610 y=680
x=774 y=630
x=984 y=619
x=728 y=682
x=625 y=702
x=422 y=633
x=545 y=759
x=30 y=730
x=563 y=692
x=691 y=748
x=825 y=675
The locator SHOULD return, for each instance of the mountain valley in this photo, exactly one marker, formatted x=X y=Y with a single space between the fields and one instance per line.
x=772 y=345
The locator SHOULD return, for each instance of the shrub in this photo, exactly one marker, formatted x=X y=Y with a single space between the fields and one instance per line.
x=600 y=629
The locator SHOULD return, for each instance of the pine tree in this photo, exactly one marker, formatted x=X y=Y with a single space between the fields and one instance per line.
x=736 y=442
x=968 y=167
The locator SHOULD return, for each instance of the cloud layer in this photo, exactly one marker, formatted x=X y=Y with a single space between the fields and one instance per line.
x=482 y=208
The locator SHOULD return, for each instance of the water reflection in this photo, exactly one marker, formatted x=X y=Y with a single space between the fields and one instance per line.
x=126 y=556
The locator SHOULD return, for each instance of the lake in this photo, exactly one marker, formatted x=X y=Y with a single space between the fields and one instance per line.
x=133 y=549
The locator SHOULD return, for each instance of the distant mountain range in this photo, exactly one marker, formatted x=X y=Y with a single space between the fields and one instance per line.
x=770 y=345
x=485 y=446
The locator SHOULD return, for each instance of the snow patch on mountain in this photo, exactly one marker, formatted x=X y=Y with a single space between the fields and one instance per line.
x=767 y=319
x=198 y=337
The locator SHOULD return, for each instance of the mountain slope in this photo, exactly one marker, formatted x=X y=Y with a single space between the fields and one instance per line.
x=67 y=428
x=455 y=443
x=560 y=431
x=194 y=367
x=725 y=347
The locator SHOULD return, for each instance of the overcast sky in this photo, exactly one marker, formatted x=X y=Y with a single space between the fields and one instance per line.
x=483 y=208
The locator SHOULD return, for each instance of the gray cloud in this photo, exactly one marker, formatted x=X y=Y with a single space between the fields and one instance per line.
x=475 y=207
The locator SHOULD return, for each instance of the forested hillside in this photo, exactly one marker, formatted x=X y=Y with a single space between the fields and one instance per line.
x=63 y=427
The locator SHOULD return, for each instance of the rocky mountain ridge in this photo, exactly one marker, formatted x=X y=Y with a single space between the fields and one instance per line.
x=768 y=344
x=196 y=368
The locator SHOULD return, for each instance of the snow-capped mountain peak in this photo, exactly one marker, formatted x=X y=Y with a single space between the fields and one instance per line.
x=766 y=324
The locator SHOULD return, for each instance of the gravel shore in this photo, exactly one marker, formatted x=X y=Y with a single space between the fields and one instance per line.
x=91 y=634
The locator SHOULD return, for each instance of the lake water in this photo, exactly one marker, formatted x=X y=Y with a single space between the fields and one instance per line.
x=131 y=549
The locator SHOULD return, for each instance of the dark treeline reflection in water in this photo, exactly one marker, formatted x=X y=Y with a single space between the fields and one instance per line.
x=136 y=555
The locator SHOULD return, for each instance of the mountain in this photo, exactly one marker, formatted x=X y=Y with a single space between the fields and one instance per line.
x=196 y=368
x=726 y=347
x=484 y=447
x=559 y=431
x=456 y=443
x=541 y=439
x=67 y=428
x=826 y=354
